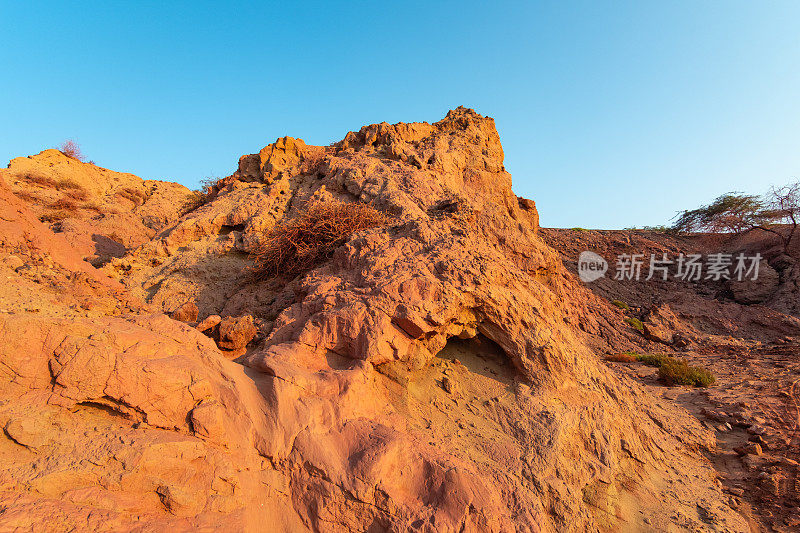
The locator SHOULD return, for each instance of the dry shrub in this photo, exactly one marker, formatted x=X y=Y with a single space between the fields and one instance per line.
x=194 y=200
x=93 y=206
x=209 y=189
x=28 y=196
x=75 y=190
x=312 y=161
x=56 y=216
x=78 y=194
x=311 y=238
x=71 y=149
x=38 y=179
x=624 y=357
x=64 y=184
x=137 y=196
x=66 y=204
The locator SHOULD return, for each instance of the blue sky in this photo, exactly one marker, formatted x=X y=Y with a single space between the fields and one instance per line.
x=612 y=114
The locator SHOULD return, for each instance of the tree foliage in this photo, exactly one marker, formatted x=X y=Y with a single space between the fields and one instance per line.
x=736 y=212
x=732 y=212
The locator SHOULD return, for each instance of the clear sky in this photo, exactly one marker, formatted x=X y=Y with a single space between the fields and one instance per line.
x=612 y=114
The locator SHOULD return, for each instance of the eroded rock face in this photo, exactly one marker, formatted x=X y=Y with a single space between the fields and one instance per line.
x=369 y=419
x=119 y=423
x=749 y=291
x=42 y=272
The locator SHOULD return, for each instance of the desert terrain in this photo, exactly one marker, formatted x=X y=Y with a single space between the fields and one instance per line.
x=376 y=335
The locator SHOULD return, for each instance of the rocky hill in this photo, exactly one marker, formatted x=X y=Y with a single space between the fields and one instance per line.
x=442 y=370
x=101 y=212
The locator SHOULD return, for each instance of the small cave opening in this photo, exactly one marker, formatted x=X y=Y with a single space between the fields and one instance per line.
x=227 y=228
x=481 y=356
x=468 y=391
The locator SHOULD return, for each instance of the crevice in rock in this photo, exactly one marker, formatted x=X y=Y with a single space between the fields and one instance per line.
x=225 y=229
x=114 y=408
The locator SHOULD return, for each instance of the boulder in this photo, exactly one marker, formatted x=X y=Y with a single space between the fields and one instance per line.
x=186 y=313
x=750 y=291
x=660 y=324
x=657 y=332
x=209 y=322
x=236 y=332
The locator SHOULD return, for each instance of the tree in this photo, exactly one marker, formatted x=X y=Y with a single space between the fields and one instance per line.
x=736 y=212
x=783 y=207
x=733 y=212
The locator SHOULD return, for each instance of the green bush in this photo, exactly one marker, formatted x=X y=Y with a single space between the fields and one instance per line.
x=635 y=323
x=657 y=229
x=652 y=359
x=679 y=372
x=620 y=304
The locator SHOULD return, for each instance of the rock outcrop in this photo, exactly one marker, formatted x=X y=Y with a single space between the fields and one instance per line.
x=364 y=413
x=759 y=290
x=434 y=374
